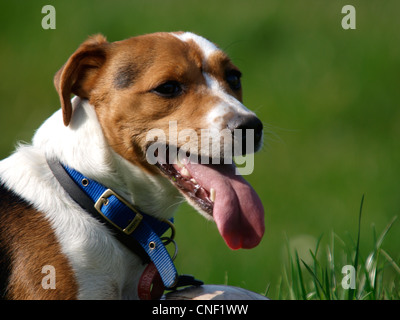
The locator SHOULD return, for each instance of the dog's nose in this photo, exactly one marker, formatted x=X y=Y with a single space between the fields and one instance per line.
x=248 y=122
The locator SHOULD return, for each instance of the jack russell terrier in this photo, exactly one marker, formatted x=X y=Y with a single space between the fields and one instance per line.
x=83 y=201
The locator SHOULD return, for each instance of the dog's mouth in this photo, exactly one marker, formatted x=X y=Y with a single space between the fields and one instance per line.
x=219 y=192
x=186 y=183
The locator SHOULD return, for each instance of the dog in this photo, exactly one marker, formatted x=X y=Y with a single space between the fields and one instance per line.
x=121 y=91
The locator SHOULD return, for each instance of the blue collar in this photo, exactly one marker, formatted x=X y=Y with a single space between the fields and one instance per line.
x=126 y=220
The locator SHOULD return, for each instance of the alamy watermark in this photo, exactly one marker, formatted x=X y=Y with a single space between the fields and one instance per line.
x=349 y=20
x=49 y=280
x=349 y=279
x=49 y=20
x=210 y=145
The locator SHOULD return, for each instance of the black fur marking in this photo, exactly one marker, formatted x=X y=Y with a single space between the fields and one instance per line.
x=125 y=77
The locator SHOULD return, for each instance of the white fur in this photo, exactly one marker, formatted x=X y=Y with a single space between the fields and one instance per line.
x=207 y=47
x=103 y=267
x=228 y=103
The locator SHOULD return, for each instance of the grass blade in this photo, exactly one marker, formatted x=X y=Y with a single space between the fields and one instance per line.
x=300 y=275
x=355 y=264
x=315 y=271
x=314 y=277
x=384 y=232
x=327 y=285
x=391 y=261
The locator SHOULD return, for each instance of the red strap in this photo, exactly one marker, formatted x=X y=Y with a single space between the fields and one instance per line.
x=150 y=285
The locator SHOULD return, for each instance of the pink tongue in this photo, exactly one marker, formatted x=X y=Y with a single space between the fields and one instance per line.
x=238 y=211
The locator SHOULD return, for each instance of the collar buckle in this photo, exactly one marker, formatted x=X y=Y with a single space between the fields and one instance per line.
x=104 y=200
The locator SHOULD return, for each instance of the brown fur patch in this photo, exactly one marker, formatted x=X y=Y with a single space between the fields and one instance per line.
x=27 y=244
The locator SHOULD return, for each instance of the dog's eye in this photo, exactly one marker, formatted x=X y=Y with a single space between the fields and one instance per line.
x=233 y=79
x=169 y=89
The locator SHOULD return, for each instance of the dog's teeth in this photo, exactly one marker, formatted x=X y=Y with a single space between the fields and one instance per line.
x=185 y=172
x=179 y=164
x=193 y=181
x=212 y=194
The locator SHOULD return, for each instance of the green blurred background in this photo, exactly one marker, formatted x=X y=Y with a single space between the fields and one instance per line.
x=329 y=98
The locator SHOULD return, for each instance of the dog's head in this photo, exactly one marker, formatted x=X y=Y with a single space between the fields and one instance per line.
x=184 y=90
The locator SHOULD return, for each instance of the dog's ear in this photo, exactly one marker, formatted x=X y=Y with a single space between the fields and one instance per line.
x=78 y=75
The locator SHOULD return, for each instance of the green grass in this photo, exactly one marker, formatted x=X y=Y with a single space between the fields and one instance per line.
x=377 y=274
